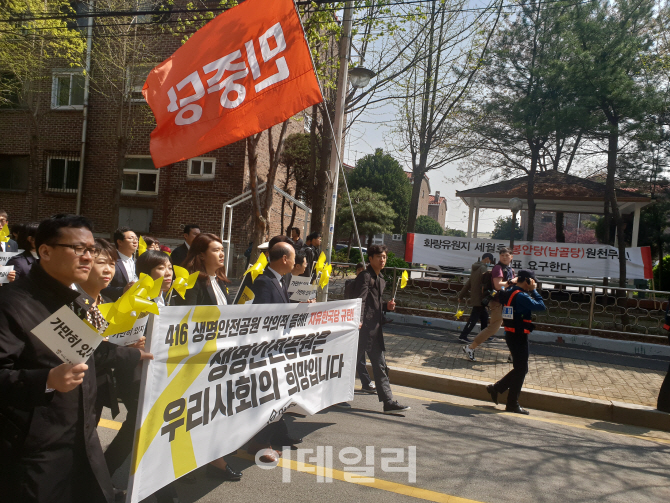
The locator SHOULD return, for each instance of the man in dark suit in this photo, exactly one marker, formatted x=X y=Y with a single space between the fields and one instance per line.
x=269 y=288
x=179 y=253
x=124 y=274
x=295 y=237
x=369 y=287
x=49 y=447
x=7 y=246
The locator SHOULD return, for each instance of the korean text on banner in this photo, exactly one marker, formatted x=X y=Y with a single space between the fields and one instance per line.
x=5 y=256
x=243 y=72
x=568 y=260
x=221 y=374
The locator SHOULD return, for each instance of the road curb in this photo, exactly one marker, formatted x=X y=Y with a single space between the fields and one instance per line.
x=582 y=341
x=603 y=410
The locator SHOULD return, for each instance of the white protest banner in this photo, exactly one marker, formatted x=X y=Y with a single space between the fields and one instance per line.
x=220 y=374
x=301 y=290
x=547 y=259
x=131 y=336
x=4 y=273
x=5 y=256
x=70 y=338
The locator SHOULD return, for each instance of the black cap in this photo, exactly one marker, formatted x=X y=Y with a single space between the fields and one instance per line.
x=525 y=274
x=490 y=257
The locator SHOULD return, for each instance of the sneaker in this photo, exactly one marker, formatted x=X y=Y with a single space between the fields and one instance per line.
x=372 y=389
x=394 y=408
x=510 y=359
x=470 y=353
x=464 y=340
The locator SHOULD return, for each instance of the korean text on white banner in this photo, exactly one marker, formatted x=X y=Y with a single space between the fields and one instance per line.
x=568 y=260
x=221 y=374
x=5 y=256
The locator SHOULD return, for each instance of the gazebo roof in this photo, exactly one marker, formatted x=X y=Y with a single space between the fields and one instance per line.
x=553 y=191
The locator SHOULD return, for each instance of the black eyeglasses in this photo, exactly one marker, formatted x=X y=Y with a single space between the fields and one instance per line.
x=80 y=250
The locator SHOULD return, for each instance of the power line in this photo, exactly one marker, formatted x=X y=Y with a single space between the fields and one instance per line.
x=164 y=12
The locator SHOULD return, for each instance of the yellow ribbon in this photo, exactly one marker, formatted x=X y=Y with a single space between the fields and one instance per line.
x=258 y=267
x=122 y=314
x=325 y=275
x=183 y=281
x=142 y=247
x=321 y=263
x=459 y=313
x=403 y=279
x=4 y=234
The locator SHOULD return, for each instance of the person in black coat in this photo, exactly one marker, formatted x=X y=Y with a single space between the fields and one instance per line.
x=295 y=237
x=369 y=287
x=206 y=256
x=49 y=446
x=126 y=243
x=24 y=261
x=178 y=255
x=270 y=288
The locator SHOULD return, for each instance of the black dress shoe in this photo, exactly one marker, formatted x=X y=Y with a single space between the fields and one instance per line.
x=227 y=474
x=516 y=409
x=493 y=393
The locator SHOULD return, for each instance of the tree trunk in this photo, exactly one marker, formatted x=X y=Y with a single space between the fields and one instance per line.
x=531 y=192
x=121 y=149
x=414 y=204
x=370 y=238
x=660 y=264
x=560 y=231
x=320 y=190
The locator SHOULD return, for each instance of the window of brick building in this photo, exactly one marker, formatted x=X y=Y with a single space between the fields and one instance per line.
x=67 y=89
x=140 y=176
x=397 y=237
x=62 y=173
x=14 y=172
x=547 y=218
x=201 y=167
x=137 y=75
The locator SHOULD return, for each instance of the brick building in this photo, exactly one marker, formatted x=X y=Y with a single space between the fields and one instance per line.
x=437 y=209
x=40 y=159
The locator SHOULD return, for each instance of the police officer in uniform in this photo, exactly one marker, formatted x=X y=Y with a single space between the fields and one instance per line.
x=518 y=303
x=663 y=403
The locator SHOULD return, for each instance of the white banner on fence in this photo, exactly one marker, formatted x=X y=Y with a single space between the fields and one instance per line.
x=547 y=259
x=221 y=374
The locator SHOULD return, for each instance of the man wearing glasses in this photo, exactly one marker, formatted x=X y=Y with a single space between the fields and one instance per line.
x=124 y=275
x=49 y=447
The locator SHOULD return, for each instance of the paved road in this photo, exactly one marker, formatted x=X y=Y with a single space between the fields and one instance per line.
x=466 y=451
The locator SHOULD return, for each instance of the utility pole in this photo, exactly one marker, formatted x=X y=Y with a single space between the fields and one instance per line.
x=338 y=126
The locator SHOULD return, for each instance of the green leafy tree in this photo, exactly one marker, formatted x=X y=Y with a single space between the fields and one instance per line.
x=382 y=174
x=502 y=229
x=374 y=215
x=454 y=232
x=611 y=66
x=427 y=225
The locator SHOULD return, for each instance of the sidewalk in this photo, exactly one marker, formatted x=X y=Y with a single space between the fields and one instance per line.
x=583 y=375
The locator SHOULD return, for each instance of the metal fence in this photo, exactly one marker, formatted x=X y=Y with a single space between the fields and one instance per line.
x=572 y=308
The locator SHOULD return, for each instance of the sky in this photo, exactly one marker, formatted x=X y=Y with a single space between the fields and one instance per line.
x=373 y=131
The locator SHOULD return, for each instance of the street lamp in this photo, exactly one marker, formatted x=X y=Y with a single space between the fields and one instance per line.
x=360 y=77
x=515 y=204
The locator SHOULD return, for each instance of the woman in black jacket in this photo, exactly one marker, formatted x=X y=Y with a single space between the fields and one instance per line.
x=24 y=261
x=206 y=256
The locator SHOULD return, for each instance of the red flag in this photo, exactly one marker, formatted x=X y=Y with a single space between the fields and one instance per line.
x=243 y=72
